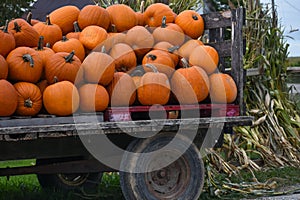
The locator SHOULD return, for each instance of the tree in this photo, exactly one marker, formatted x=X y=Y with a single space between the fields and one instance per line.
x=14 y=9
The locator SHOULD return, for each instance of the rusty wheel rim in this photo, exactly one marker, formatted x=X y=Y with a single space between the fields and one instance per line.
x=73 y=179
x=169 y=182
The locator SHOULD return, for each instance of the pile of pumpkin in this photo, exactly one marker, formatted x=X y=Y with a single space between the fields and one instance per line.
x=85 y=60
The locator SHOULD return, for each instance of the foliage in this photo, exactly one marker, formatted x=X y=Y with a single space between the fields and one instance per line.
x=13 y=9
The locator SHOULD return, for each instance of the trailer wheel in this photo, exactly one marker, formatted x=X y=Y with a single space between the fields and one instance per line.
x=183 y=179
x=68 y=182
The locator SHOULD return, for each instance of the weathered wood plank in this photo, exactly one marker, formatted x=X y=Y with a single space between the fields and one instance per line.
x=128 y=126
x=217 y=19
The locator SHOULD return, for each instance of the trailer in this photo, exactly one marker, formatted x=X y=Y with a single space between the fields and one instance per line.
x=157 y=157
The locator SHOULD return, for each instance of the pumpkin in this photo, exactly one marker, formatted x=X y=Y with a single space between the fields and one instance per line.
x=170 y=49
x=68 y=45
x=206 y=57
x=61 y=98
x=155 y=12
x=222 y=88
x=3 y=68
x=154 y=87
x=136 y=74
x=51 y=32
x=98 y=67
x=76 y=32
x=29 y=99
x=93 y=98
x=63 y=66
x=112 y=39
x=93 y=15
x=186 y=49
x=64 y=17
x=190 y=84
x=24 y=64
x=122 y=90
x=140 y=39
x=24 y=33
x=7 y=40
x=122 y=17
x=8 y=98
x=92 y=36
x=162 y=61
x=191 y=23
x=125 y=58
x=170 y=32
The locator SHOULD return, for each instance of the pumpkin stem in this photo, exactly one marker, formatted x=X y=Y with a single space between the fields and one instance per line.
x=55 y=79
x=69 y=58
x=40 y=46
x=28 y=58
x=195 y=17
x=48 y=22
x=103 y=49
x=17 y=28
x=113 y=28
x=184 y=63
x=5 y=30
x=173 y=48
x=164 y=22
x=142 y=7
x=29 y=17
x=28 y=103
x=152 y=67
x=76 y=27
x=64 y=38
x=152 y=57
x=48 y=45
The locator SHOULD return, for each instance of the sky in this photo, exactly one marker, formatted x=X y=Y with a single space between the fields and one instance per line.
x=289 y=18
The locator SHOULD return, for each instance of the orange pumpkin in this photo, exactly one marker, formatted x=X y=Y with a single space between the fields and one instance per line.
x=191 y=23
x=61 y=98
x=7 y=41
x=154 y=88
x=3 y=68
x=8 y=98
x=29 y=99
x=24 y=64
x=162 y=61
x=92 y=36
x=64 y=17
x=24 y=33
x=99 y=68
x=206 y=57
x=140 y=15
x=125 y=58
x=122 y=90
x=155 y=12
x=190 y=84
x=51 y=32
x=93 y=98
x=140 y=39
x=63 y=66
x=76 y=32
x=112 y=39
x=169 y=32
x=186 y=49
x=122 y=17
x=68 y=45
x=222 y=88
x=93 y=15
x=168 y=48
x=42 y=85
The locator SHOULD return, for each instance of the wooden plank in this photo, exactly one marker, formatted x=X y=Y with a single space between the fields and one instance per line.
x=223 y=48
x=217 y=19
x=128 y=126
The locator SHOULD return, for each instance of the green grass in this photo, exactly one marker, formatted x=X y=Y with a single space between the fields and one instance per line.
x=27 y=186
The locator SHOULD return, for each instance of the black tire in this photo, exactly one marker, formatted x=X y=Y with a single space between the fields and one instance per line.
x=68 y=182
x=181 y=180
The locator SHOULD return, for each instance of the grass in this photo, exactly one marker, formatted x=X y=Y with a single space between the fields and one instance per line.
x=27 y=186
